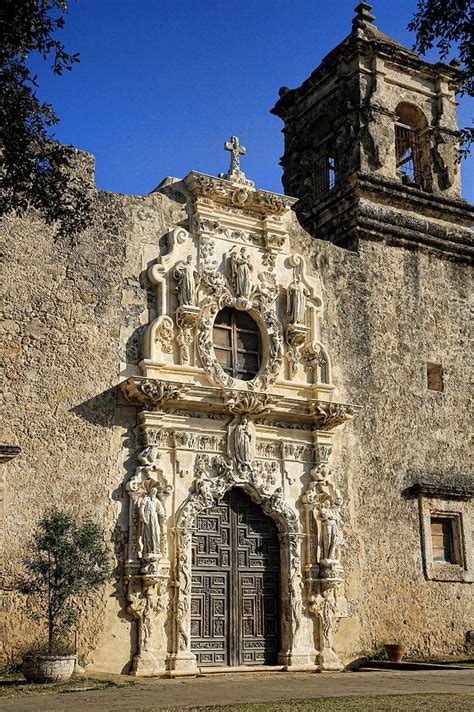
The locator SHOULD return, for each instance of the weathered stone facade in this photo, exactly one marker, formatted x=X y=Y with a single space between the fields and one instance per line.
x=122 y=409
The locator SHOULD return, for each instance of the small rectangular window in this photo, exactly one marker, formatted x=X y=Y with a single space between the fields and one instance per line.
x=443 y=541
x=434 y=374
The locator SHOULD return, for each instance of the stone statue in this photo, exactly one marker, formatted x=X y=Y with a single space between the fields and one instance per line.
x=243 y=443
x=329 y=531
x=203 y=484
x=185 y=274
x=240 y=268
x=297 y=295
x=152 y=525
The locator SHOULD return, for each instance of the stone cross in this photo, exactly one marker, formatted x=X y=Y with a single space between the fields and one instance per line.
x=234 y=173
x=236 y=150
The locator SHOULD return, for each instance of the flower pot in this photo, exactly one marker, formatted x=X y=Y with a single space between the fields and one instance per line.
x=48 y=668
x=395 y=652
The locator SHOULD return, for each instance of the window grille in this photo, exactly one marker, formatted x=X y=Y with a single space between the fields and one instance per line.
x=325 y=175
x=407 y=152
x=237 y=343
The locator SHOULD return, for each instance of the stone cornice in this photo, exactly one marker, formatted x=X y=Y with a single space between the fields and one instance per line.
x=237 y=195
x=367 y=41
x=8 y=452
x=167 y=396
x=461 y=489
x=369 y=205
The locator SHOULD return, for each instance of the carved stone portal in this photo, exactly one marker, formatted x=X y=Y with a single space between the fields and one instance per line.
x=206 y=432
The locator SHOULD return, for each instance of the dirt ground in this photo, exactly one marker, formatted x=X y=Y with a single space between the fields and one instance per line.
x=236 y=689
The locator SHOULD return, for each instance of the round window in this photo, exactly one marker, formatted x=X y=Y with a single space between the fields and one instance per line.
x=237 y=343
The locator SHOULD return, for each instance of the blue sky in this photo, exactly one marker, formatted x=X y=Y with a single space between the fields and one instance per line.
x=162 y=83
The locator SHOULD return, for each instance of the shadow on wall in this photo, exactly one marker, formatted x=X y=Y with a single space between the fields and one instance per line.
x=107 y=410
x=100 y=409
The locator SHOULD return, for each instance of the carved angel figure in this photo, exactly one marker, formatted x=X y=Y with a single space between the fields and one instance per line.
x=186 y=275
x=152 y=525
x=243 y=443
x=296 y=305
x=240 y=268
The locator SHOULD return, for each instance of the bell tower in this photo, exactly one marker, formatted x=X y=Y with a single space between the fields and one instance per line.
x=371 y=145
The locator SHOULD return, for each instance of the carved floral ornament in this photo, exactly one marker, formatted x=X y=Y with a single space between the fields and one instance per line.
x=151 y=392
x=227 y=191
x=259 y=301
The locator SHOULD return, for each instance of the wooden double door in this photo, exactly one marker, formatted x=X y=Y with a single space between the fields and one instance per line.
x=235 y=585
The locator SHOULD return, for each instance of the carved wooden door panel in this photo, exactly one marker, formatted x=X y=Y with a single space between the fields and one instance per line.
x=235 y=585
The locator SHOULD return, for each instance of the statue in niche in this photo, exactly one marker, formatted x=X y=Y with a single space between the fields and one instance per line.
x=329 y=531
x=297 y=295
x=240 y=269
x=185 y=273
x=203 y=483
x=243 y=443
x=152 y=525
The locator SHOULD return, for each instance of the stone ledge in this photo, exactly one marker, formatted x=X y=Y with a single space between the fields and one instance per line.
x=8 y=452
x=459 y=490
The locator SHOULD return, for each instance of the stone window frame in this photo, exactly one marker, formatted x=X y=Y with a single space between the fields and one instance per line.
x=435 y=505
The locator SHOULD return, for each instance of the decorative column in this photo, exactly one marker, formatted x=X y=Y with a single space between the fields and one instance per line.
x=323 y=570
x=147 y=567
x=182 y=660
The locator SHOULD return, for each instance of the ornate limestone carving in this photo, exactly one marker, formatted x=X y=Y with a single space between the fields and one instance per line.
x=186 y=318
x=314 y=356
x=146 y=601
x=324 y=574
x=234 y=173
x=150 y=392
x=204 y=442
x=242 y=439
x=147 y=491
x=297 y=295
x=268 y=450
x=297 y=452
x=249 y=402
x=295 y=336
x=152 y=532
x=329 y=415
x=265 y=293
x=322 y=453
x=219 y=296
x=240 y=268
x=164 y=334
x=266 y=474
x=186 y=276
x=269 y=259
x=224 y=191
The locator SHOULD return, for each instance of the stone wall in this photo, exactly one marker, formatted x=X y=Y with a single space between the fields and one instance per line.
x=389 y=311
x=74 y=321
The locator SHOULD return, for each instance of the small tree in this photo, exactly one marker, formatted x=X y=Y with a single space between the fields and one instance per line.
x=65 y=560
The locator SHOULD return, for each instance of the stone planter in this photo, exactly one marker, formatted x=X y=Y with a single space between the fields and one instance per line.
x=395 y=652
x=48 y=668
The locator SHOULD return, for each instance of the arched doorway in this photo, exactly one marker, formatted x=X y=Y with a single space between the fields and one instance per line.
x=235 y=591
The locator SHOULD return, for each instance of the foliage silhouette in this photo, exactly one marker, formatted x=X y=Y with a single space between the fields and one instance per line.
x=36 y=171
x=447 y=24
